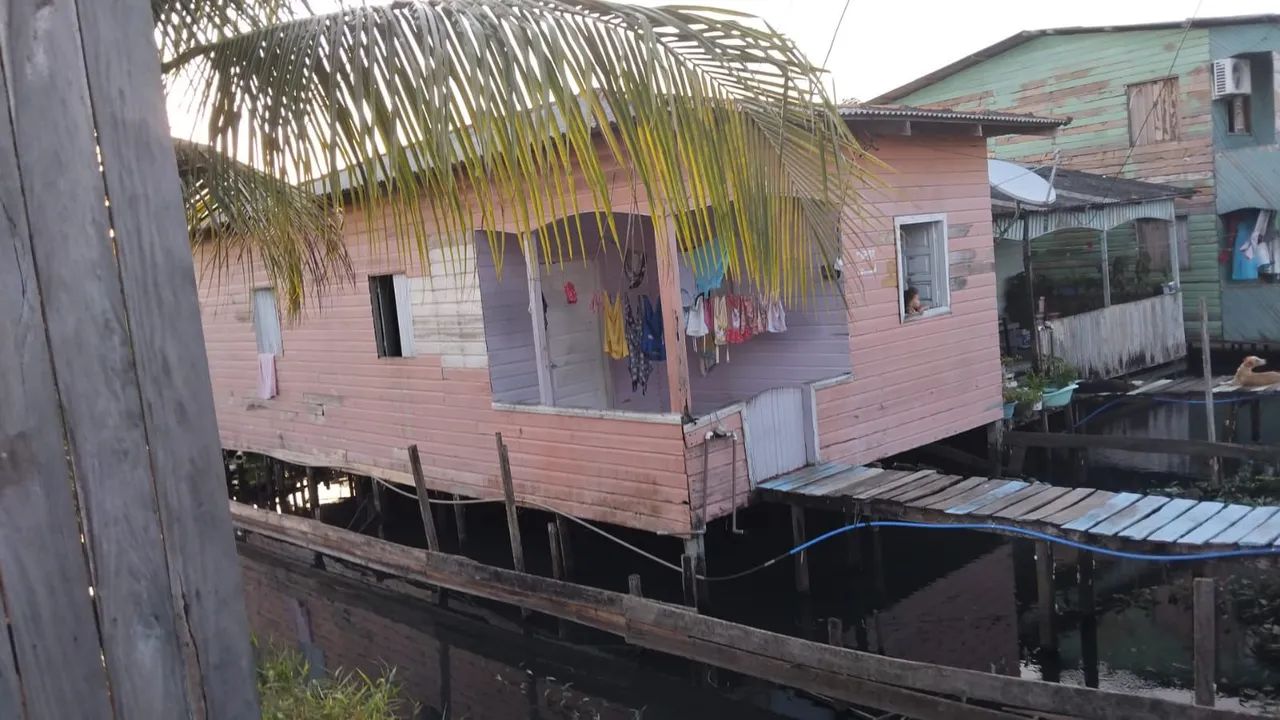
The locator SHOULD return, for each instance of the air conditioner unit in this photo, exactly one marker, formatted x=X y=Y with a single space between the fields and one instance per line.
x=1231 y=77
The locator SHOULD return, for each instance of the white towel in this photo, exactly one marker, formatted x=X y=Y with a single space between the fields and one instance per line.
x=266 y=375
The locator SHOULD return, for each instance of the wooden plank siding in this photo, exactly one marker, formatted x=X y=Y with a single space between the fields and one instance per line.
x=1088 y=76
x=340 y=405
x=918 y=382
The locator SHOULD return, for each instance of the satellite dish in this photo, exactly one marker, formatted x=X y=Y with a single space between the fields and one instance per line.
x=1020 y=182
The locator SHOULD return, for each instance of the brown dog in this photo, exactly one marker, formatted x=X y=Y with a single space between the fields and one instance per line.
x=1246 y=377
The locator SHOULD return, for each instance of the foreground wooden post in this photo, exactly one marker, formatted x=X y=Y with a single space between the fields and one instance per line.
x=110 y=462
x=563 y=528
x=460 y=520
x=1204 y=657
x=689 y=581
x=379 y=506
x=509 y=495
x=1088 y=619
x=1044 y=594
x=424 y=501
x=557 y=568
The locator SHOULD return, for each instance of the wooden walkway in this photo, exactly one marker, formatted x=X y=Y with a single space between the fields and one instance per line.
x=1124 y=520
x=1184 y=386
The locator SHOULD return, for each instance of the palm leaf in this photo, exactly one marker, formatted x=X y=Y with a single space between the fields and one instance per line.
x=244 y=217
x=458 y=114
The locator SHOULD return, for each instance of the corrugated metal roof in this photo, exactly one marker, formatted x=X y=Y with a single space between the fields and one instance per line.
x=903 y=112
x=1017 y=39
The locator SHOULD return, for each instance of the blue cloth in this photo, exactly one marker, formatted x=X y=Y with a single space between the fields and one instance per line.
x=651 y=341
x=708 y=264
x=1244 y=268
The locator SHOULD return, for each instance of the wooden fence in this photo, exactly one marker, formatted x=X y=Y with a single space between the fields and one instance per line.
x=1121 y=338
x=118 y=578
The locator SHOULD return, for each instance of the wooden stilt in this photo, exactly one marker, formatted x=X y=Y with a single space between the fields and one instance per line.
x=696 y=547
x=557 y=568
x=1231 y=422
x=313 y=492
x=563 y=527
x=835 y=632
x=460 y=521
x=1044 y=594
x=1017 y=459
x=877 y=565
x=633 y=585
x=689 y=581
x=1204 y=658
x=995 y=447
x=1255 y=421
x=1211 y=422
x=424 y=500
x=802 y=557
x=379 y=507
x=1088 y=619
x=509 y=495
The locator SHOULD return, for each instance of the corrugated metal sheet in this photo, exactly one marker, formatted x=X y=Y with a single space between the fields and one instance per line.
x=1100 y=218
x=773 y=423
x=915 y=113
x=1120 y=339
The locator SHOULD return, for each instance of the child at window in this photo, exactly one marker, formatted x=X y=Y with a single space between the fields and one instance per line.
x=911 y=301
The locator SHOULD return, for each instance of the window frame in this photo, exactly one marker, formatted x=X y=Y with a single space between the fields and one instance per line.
x=254 y=320
x=944 y=256
x=401 y=306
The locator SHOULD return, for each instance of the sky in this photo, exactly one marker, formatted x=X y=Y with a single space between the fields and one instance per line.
x=885 y=43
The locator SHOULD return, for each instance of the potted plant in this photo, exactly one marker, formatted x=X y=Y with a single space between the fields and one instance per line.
x=1025 y=399
x=1059 y=382
x=1010 y=400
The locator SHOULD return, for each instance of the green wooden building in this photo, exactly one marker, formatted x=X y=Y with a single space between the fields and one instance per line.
x=1192 y=104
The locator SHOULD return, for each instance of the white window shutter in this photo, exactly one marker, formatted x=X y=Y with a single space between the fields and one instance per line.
x=404 y=314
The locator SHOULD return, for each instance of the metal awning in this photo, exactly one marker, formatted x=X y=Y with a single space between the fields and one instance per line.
x=1083 y=201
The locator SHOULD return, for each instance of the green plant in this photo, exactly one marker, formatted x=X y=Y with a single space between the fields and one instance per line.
x=288 y=692
x=1023 y=395
x=1059 y=373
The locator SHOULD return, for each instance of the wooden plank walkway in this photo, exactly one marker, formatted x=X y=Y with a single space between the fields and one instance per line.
x=1188 y=386
x=1124 y=520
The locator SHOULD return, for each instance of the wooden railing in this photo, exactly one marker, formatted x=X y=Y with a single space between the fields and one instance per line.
x=1119 y=339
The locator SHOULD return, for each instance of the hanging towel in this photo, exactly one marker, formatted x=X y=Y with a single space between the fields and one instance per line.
x=708 y=264
x=652 y=341
x=1244 y=264
x=777 y=321
x=721 y=322
x=695 y=321
x=266 y=375
x=615 y=337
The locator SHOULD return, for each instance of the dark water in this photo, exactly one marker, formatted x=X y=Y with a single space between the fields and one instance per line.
x=952 y=597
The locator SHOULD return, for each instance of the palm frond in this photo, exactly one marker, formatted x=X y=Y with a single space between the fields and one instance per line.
x=184 y=25
x=465 y=114
x=243 y=216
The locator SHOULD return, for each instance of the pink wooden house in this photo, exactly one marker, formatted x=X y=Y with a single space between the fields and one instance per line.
x=445 y=357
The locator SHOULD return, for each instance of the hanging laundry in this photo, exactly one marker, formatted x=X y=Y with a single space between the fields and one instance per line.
x=760 y=316
x=695 y=320
x=638 y=365
x=633 y=267
x=750 y=316
x=720 y=323
x=570 y=293
x=708 y=263
x=652 y=343
x=615 y=337
x=1244 y=264
x=733 y=334
x=266 y=375
x=777 y=321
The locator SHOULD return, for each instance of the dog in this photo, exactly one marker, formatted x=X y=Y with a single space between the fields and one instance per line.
x=1246 y=377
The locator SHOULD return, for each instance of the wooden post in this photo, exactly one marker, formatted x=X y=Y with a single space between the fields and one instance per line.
x=1231 y=423
x=1211 y=422
x=557 y=569
x=313 y=492
x=563 y=528
x=1204 y=658
x=1088 y=619
x=677 y=364
x=379 y=507
x=995 y=447
x=835 y=632
x=1106 y=270
x=424 y=501
x=1175 y=261
x=1031 y=294
x=696 y=547
x=802 y=557
x=633 y=585
x=1044 y=594
x=509 y=495
x=460 y=521
x=689 y=581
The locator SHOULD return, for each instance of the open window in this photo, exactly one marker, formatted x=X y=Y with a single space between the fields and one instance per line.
x=923 y=271
x=392 y=315
x=266 y=321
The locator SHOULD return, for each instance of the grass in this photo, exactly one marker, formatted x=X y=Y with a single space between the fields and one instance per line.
x=289 y=692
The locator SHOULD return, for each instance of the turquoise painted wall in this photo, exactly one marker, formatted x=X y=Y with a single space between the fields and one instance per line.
x=1084 y=76
x=1247 y=170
